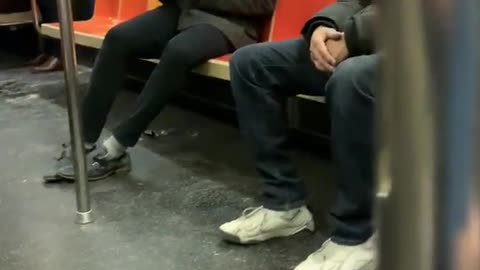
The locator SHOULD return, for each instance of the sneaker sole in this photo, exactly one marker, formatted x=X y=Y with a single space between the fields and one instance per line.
x=310 y=226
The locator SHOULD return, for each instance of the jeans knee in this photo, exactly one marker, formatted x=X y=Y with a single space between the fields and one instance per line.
x=248 y=66
x=243 y=59
x=242 y=62
x=348 y=85
x=242 y=65
x=344 y=77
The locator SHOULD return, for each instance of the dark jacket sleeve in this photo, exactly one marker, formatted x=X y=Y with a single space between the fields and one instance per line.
x=334 y=16
x=354 y=17
x=239 y=7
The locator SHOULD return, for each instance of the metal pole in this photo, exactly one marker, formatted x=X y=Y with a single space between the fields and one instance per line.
x=84 y=211
x=428 y=106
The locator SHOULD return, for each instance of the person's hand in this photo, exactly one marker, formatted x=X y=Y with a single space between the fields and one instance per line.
x=321 y=57
x=338 y=49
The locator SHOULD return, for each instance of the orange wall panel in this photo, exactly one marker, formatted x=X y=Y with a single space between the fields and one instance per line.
x=106 y=8
x=131 y=8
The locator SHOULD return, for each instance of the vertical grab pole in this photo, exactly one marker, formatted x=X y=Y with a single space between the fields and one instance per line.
x=428 y=165
x=84 y=211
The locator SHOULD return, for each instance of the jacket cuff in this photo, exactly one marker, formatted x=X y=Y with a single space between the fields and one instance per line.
x=313 y=24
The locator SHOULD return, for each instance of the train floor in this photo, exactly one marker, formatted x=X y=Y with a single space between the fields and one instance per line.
x=163 y=215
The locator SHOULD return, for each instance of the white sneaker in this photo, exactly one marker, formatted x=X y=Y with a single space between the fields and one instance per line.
x=261 y=224
x=333 y=256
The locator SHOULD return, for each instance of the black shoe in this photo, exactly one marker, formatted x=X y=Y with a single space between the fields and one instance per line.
x=99 y=167
x=65 y=160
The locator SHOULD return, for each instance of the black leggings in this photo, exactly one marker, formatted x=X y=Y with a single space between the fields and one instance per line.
x=151 y=35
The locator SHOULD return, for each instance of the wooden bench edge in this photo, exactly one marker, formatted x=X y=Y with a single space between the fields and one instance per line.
x=10 y=19
x=213 y=68
x=87 y=40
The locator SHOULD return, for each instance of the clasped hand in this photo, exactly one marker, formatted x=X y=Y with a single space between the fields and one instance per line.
x=327 y=48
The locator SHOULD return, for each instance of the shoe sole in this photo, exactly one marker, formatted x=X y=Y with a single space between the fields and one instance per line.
x=310 y=226
x=119 y=171
x=48 y=179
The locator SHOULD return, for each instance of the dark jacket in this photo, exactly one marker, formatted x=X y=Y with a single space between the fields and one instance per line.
x=239 y=20
x=353 y=17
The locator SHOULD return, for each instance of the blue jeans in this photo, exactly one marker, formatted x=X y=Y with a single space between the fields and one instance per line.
x=263 y=76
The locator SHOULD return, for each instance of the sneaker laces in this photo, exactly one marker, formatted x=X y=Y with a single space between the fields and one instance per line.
x=248 y=220
x=251 y=211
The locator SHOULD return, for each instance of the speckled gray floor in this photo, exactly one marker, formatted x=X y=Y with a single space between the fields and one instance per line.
x=164 y=215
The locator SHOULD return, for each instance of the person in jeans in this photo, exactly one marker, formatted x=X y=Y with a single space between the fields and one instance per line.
x=335 y=58
x=183 y=34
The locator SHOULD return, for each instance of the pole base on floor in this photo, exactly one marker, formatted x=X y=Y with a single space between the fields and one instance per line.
x=83 y=218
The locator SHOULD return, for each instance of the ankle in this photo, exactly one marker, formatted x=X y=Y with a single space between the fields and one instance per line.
x=113 y=148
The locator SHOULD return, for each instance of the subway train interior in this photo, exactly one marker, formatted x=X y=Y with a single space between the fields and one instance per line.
x=164 y=202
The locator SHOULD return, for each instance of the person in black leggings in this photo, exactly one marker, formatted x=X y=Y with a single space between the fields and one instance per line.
x=183 y=34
